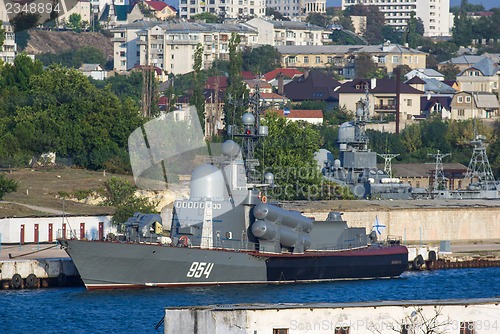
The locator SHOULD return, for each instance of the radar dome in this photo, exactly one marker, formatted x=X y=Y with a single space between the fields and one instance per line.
x=248 y=119
x=207 y=182
x=230 y=149
x=346 y=133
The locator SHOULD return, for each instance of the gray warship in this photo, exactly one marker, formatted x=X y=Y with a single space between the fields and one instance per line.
x=482 y=182
x=228 y=232
x=356 y=166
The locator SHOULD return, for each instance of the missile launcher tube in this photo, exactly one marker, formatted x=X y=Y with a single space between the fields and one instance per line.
x=275 y=214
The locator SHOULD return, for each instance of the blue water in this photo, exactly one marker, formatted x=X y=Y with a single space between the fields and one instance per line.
x=75 y=310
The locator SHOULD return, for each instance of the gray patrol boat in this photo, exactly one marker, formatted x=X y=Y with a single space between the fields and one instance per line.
x=227 y=232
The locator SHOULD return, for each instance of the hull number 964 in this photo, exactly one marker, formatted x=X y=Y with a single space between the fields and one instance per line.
x=199 y=269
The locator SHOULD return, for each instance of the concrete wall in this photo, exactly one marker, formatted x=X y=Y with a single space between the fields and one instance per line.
x=356 y=318
x=10 y=228
x=428 y=225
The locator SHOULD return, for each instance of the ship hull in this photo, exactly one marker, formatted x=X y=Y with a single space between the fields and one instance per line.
x=111 y=265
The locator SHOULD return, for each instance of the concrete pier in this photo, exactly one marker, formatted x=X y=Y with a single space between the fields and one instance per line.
x=33 y=266
x=382 y=317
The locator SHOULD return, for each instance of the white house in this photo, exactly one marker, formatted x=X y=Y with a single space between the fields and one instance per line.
x=95 y=71
x=48 y=229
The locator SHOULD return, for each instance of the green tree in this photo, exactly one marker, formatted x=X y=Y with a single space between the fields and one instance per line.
x=207 y=17
x=411 y=138
x=261 y=60
x=2 y=35
x=366 y=68
x=288 y=152
x=236 y=92
x=198 y=97
x=374 y=21
x=318 y=19
x=410 y=34
x=450 y=71
x=7 y=186
x=391 y=34
x=75 y=22
x=462 y=30
x=121 y=194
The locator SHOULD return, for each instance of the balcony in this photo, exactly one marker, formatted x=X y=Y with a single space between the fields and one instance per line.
x=384 y=108
x=118 y=39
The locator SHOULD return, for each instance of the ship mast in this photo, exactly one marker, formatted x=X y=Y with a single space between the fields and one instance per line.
x=479 y=167
x=439 y=178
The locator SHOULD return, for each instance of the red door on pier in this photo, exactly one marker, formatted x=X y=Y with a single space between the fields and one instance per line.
x=22 y=235
x=101 y=230
x=64 y=231
x=37 y=232
x=82 y=231
x=50 y=232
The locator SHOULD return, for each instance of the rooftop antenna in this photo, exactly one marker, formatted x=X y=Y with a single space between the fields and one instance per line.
x=439 y=178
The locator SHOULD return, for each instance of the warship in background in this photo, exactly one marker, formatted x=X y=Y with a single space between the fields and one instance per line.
x=482 y=183
x=227 y=232
x=356 y=166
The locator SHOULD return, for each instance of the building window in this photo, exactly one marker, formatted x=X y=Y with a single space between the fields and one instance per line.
x=395 y=59
x=280 y=330
x=122 y=53
x=461 y=112
x=467 y=327
x=306 y=59
x=408 y=103
x=342 y=330
x=318 y=60
x=467 y=99
x=460 y=99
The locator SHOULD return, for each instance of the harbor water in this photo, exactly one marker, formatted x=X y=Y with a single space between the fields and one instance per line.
x=76 y=310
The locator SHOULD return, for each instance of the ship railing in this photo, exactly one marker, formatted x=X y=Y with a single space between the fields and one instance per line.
x=231 y=244
x=394 y=240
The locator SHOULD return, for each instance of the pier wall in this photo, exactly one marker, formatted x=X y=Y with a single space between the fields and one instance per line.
x=447 y=317
x=428 y=225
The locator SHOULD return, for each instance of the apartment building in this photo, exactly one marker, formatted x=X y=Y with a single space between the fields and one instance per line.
x=483 y=76
x=272 y=32
x=341 y=58
x=171 y=46
x=226 y=8
x=297 y=8
x=434 y=13
x=467 y=105
x=8 y=50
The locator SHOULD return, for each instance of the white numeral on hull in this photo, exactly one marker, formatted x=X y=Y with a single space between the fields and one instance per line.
x=198 y=269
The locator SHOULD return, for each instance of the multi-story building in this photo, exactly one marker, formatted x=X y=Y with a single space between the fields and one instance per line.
x=434 y=13
x=467 y=105
x=171 y=46
x=272 y=32
x=483 y=76
x=296 y=8
x=341 y=58
x=383 y=98
x=8 y=50
x=224 y=8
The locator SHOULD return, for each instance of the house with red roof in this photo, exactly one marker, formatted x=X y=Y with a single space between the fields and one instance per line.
x=310 y=116
x=288 y=75
x=161 y=10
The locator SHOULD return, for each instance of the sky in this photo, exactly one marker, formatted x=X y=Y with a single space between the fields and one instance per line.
x=486 y=3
